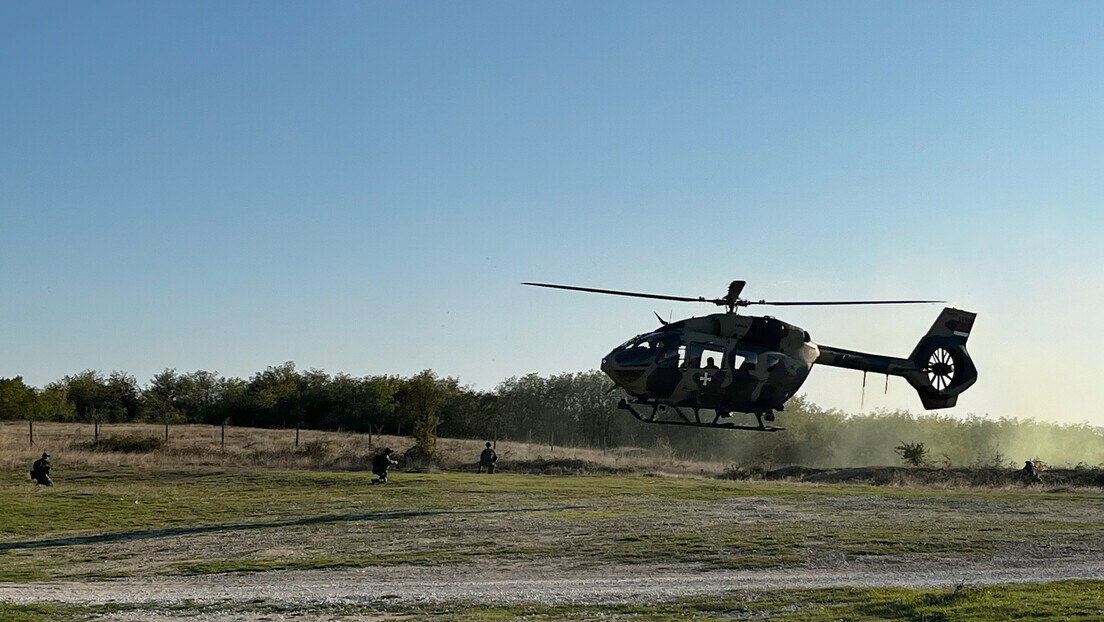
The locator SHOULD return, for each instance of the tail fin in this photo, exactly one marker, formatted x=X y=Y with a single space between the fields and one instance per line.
x=942 y=368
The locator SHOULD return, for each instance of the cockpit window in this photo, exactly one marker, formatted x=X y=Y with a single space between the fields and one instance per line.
x=648 y=348
x=654 y=341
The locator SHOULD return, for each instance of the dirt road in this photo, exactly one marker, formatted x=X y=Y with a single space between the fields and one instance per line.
x=536 y=582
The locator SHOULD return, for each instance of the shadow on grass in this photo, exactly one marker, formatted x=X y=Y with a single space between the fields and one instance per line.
x=147 y=534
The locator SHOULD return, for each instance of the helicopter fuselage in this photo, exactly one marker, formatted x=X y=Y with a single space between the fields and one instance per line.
x=724 y=362
x=728 y=363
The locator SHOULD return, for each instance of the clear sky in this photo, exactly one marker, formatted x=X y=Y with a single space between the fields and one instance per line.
x=360 y=187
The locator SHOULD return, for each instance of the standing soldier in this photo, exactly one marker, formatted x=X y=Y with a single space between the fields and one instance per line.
x=40 y=471
x=487 y=459
x=380 y=464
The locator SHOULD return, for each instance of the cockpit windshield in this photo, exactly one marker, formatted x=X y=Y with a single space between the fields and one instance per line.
x=654 y=341
x=644 y=349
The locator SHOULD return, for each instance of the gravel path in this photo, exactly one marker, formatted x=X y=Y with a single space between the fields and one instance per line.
x=534 y=582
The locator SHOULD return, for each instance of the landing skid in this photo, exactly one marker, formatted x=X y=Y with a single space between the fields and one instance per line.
x=669 y=414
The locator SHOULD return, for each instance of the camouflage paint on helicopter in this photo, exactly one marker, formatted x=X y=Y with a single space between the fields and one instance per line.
x=727 y=362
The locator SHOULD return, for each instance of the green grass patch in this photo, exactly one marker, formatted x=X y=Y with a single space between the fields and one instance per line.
x=265 y=565
x=122 y=521
x=1065 y=601
x=1068 y=601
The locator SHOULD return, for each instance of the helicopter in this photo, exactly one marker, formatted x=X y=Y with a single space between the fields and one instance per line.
x=728 y=363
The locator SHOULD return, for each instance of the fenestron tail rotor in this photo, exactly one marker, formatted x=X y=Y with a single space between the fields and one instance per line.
x=941 y=369
x=732 y=299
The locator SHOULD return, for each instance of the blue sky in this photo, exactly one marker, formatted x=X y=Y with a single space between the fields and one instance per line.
x=361 y=187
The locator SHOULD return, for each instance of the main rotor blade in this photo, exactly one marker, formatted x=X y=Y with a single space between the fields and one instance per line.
x=619 y=293
x=806 y=303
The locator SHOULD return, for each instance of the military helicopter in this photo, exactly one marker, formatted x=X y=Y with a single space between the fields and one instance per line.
x=726 y=362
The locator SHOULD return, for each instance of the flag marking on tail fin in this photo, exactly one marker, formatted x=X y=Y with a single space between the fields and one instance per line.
x=959 y=329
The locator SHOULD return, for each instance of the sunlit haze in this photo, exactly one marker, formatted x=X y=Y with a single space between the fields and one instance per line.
x=362 y=187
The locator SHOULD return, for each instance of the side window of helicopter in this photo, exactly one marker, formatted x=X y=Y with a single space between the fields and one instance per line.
x=682 y=356
x=711 y=359
x=738 y=360
x=667 y=352
x=703 y=356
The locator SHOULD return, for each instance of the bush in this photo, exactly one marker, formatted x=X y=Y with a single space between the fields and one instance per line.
x=417 y=458
x=127 y=443
x=737 y=472
x=912 y=454
x=315 y=450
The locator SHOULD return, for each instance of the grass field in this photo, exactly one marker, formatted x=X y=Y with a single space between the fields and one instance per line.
x=93 y=524
x=114 y=517
x=1066 y=601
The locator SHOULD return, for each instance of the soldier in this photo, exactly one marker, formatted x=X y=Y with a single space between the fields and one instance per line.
x=1027 y=474
x=380 y=464
x=487 y=459
x=40 y=471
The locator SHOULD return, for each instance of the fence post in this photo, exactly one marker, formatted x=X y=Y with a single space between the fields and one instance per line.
x=297 y=424
x=30 y=431
x=95 y=430
x=223 y=441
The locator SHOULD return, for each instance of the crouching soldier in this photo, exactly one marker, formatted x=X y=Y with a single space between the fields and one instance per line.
x=40 y=471
x=1027 y=475
x=380 y=464
x=487 y=460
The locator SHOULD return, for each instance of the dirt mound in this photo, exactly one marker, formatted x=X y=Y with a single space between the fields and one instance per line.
x=929 y=476
x=124 y=443
x=561 y=466
x=418 y=459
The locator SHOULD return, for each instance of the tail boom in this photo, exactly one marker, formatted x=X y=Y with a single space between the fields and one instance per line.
x=939 y=368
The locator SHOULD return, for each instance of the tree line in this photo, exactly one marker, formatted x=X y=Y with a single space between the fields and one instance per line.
x=576 y=406
x=568 y=409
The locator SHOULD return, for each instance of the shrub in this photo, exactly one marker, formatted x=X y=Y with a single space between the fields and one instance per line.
x=912 y=454
x=127 y=443
x=417 y=458
x=315 y=450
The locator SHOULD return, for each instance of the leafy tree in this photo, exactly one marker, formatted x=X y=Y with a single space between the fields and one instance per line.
x=274 y=397
x=162 y=398
x=420 y=400
x=115 y=398
x=468 y=413
x=52 y=404
x=17 y=400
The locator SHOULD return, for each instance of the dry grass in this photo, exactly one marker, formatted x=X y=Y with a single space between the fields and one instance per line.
x=71 y=445
x=200 y=446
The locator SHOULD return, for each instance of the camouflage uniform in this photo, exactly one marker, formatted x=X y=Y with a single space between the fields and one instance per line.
x=40 y=471
x=487 y=460
x=1027 y=475
x=380 y=464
